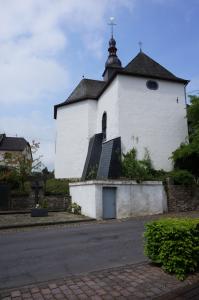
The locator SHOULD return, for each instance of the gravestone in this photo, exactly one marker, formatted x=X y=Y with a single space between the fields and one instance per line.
x=37 y=187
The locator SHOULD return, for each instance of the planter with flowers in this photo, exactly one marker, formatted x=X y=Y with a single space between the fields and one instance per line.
x=40 y=210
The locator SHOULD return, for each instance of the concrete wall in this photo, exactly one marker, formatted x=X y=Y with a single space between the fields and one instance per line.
x=85 y=196
x=76 y=123
x=152 y=119
x=132 y=199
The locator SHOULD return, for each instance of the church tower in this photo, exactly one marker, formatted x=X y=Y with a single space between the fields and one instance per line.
x=141 y=105
x=113 y=63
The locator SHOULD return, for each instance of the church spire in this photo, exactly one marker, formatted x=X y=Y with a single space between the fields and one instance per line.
x=112 y=61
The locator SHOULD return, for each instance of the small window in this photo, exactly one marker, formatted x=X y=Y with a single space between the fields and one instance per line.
x=104 y=121
x=152 y=84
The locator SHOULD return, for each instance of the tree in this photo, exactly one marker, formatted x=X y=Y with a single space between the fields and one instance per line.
x=193 y=115
x=186 y=157
x=17 y=167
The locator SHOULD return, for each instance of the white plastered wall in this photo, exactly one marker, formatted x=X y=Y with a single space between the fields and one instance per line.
x=108 y=102
x=132 y=199
x=75 y=125
x=152 y=119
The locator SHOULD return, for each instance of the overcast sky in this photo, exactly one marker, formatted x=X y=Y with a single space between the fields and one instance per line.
x=46 y=46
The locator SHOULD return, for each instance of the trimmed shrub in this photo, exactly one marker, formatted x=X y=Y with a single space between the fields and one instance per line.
x=174 y=244
x=182 y=177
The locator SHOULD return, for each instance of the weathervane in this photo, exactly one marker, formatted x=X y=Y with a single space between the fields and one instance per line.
x=112 y=24
x=140 y=45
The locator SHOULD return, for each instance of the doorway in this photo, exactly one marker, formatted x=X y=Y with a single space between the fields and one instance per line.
x=109 y=202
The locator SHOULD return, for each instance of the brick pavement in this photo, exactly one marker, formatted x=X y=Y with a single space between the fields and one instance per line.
x=142 y=281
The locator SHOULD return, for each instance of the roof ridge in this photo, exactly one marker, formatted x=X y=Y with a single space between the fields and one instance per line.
x=142 y=64
x=13 y=143
x=89 y=79
x=144 y=54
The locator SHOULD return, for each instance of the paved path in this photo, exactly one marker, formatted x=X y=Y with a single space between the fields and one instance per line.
x=40 y=255
x=24 y=219
x=190 y=292
x=131 y=282
x=76 y=253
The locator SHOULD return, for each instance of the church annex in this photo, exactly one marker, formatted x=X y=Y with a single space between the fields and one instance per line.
x=141 y=105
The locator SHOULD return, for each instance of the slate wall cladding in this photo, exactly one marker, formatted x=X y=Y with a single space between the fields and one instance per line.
x=93 y=155
x=182 y=198
x=110 y=160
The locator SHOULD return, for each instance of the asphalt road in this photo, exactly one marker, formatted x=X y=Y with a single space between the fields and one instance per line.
x=45 y=254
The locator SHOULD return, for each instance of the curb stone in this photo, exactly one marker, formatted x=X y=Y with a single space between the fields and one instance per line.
x=45 y=224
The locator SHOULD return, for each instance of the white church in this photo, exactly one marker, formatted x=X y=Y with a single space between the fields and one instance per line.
x=141 y=105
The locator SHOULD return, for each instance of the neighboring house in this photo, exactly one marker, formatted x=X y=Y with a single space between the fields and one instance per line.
x=142 y=104
x=11 y=147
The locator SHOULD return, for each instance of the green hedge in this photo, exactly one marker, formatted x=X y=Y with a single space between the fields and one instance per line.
x=174 y=244
x=57 y=187
x=182 y=177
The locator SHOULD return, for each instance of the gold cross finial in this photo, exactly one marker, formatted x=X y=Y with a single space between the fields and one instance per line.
x=112 y=24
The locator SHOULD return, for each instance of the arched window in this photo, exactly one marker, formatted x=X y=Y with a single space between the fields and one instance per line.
x=104 y=125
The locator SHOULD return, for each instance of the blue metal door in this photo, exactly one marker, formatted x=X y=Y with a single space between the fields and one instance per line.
x=109 y=203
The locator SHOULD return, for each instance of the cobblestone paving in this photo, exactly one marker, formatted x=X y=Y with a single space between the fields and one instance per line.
x=186 y=293
x=130 y=282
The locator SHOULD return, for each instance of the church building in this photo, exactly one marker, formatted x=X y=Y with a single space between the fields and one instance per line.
x=141 y=105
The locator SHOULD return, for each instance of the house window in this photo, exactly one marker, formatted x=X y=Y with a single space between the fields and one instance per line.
x=104 y=125
x=152 y=84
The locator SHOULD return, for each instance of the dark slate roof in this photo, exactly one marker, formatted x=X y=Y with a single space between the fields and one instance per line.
x=86 y=89
x=143 y=65
x=12 y=143
x=1 y=137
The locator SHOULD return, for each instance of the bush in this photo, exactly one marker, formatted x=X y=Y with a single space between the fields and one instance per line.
x=75 y=208
x=57 y=187
x=140 y=170
x=133 y=168
x=174 y=244
x=186 y=157
x=43 y=203
x=19 y=193
x=182 y=177
x=9 y=176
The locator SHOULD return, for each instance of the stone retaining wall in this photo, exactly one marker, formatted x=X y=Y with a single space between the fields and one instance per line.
x=57 y=202
x=182 y=198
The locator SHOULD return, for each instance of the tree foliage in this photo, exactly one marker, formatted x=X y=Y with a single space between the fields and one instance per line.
x=132 y=168
x=174 y=244
x=186 y=157
x=16 y=167
x=193 y=115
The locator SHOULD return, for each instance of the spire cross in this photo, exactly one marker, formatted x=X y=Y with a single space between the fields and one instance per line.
x=112 y=24
x=140 y=45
